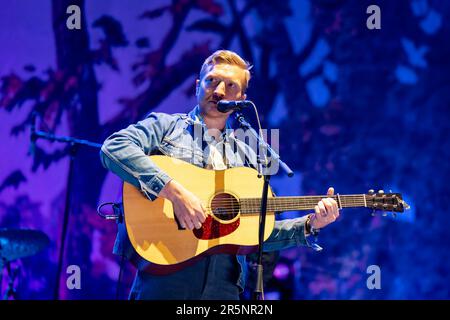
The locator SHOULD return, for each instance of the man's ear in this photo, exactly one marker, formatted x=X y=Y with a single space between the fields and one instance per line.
x=197 y=86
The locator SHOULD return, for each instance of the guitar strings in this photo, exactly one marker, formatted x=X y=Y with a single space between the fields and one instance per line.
x=275 y=201
x=282 y=202
x=253 y=205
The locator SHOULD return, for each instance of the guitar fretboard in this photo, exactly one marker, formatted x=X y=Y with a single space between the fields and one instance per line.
x=253 y=205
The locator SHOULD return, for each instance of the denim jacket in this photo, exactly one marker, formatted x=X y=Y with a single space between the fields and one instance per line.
x=126 y=153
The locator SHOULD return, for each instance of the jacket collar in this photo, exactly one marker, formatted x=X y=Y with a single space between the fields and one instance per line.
x=195 y=115
x=197 y=118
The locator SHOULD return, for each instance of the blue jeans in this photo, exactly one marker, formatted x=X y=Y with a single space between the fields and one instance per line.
x=211 y=278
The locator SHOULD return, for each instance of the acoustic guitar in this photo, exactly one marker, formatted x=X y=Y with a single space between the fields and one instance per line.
x=232 y=198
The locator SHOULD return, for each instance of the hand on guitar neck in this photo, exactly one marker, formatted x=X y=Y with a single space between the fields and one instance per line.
x=326 y=211
x=187 y=206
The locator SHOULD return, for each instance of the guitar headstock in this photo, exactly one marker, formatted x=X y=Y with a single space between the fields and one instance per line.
x=386 y=202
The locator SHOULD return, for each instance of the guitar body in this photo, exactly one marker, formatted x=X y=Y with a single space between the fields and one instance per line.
x=162 y=247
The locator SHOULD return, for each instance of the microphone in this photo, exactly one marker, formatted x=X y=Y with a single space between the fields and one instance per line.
x=225 y=105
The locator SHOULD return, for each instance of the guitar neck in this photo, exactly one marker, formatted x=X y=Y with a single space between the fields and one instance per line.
x=251 y=205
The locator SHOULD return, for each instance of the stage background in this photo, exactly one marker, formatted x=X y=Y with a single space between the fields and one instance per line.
x=357 y=109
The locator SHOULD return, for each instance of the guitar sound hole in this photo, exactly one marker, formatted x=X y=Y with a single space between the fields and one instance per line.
x=224 y=206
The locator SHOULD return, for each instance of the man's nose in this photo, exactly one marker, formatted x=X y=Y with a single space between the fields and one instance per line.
x=220 y=89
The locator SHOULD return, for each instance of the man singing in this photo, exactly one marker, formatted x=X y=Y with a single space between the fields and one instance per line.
x=223 y=76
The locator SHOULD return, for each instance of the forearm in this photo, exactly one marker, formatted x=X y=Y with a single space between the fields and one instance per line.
x=289 y=233
x=143 y=174
x=286 y=233
x=126 y=153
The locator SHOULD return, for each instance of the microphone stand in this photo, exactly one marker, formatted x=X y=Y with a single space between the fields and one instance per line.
x=10 y=290
x=258 y=293
x=74 y=145
x=2 y=264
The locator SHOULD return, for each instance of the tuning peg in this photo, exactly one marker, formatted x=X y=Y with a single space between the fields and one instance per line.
x=373 y=213
x=380 y=191
x=394 y=215
x=390 y=191
x=405 y=205
x=384 y=213
x=371 y=191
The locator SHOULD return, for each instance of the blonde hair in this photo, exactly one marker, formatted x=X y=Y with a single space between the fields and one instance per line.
x=227 y=57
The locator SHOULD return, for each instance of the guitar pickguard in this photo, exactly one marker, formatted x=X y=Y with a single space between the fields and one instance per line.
x=213 y=229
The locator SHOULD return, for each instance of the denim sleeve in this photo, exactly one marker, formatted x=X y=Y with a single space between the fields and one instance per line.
x=290 y=233
x=126 y=152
